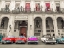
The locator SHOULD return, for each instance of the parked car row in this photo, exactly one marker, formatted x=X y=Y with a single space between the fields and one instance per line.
x=32 y=39
x=20 y=39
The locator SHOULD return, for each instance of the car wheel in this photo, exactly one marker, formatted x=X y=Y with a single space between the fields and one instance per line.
x=11 y=42
x=28 y=43
x=2 y=43
x=54 y=43
x=36 y=43
x=57 y=42
x=44 y=41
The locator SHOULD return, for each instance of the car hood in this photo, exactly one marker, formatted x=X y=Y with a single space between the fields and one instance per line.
x=20 y=38
x=32 y=38
x=60 y=38
x=6 y=39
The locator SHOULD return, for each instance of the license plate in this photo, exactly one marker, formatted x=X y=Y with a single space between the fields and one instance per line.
x=19 y=42
x=7 y=41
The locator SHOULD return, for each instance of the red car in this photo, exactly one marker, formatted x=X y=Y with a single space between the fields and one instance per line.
x=21 y=39
x=9 y=39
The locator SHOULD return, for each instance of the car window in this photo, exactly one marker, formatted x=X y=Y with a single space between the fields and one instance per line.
x=32 y=37
x=11 y=37
x=21 y=36
x=45 y=36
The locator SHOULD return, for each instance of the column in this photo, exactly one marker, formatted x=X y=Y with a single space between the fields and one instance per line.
x=42 y=3
x=53 y=6
x=32 y=5
x=2 y=4
x=44 y=25
x=12 y=5
x=61 y=5
x=30 y=26
x=55 y=27
x=10 y=29
x=22 y=3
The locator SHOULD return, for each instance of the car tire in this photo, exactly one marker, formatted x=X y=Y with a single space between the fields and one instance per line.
x=11 y=42
x=57 y=42
x=16 y=43
x=2 y=43
x=36 y=43
x=28 y=43
x=54 y=43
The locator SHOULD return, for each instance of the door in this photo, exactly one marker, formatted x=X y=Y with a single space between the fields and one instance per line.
x=23 y=31
x=47 y=6
x=37 y=6
x=58 y=8
x=27 y=7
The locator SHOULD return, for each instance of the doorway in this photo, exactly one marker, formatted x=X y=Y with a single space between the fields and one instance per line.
x=23 y=29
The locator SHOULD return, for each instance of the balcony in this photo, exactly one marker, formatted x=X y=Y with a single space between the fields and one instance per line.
x=49 y=11
x=16 y=11
x=5 y=10
x=62 y=10
x=38 y=10
x=26 y=10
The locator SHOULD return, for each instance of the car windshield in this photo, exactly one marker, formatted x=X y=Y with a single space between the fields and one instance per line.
x=32 y=37
x=46 y=36
x=11 y=37
x=21 y=36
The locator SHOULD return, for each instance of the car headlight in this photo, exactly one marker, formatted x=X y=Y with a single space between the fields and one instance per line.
x=47 y=39
x=60 y=40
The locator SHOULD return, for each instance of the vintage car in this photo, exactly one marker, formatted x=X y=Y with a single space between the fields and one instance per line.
x=9 y=39
x=21 y=39
x=43 y=39
x=60 y=40
x=50 y=40
x=32 y=39
x=1 y=37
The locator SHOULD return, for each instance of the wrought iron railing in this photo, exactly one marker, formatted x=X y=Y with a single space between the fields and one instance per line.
x=16 y=11
x=4 y=10
x=28 y=10
x=37 y=10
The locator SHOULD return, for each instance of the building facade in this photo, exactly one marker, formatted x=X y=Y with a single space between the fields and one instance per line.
x=32 y=17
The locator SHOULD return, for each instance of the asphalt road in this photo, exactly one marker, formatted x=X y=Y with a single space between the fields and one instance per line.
x=40 y=45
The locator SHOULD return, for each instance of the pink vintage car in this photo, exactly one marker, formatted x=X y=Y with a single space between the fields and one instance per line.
x=32 y=39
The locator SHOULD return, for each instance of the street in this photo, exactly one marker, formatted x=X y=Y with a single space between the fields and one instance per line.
x=40 y=45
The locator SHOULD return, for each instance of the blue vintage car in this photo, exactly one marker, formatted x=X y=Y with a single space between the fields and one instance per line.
x=1 y=37
x=60 y=40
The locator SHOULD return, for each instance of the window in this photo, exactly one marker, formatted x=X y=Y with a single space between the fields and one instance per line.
x=47 y=30
x=57 y=6
x=47 y=6
x=7 y=5
x=17 y=5
x=37 y=6
x=37 y=34
x=27 y=7
x=37 y=24
x=47 y=24
x=62 y=23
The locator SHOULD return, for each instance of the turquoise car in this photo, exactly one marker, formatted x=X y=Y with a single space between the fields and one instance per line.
x=1 y=37
x=60 y=40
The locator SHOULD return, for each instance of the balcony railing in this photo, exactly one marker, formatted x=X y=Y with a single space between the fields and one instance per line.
x=38 y=10
x=16 y=11
x=49 y=11
x=26 y=10
x=62 y=10
x=4 y=10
